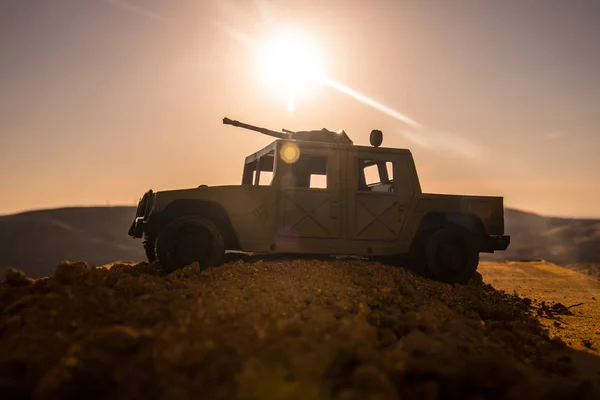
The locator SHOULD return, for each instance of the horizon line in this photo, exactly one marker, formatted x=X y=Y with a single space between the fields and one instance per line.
x=32 y=210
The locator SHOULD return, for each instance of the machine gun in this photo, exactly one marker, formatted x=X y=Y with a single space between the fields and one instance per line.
x=322 y=135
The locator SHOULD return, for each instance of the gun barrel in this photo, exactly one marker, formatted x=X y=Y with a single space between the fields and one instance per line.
x=264 y=131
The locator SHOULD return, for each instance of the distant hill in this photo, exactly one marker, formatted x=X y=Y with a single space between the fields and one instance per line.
x=36 y=241
x=559 y=240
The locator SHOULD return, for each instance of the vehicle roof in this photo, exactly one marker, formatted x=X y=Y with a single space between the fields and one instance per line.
x=324 y=145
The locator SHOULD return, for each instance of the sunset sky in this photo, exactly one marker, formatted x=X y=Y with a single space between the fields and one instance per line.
x=101 y=100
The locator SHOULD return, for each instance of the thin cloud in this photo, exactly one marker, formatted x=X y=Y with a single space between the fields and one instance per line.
x=140 y=10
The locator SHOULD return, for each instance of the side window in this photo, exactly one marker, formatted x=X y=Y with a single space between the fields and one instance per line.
x=260 y=172
x=265 y=178
x=309 y=172
x=371 y=175
x=376 y=176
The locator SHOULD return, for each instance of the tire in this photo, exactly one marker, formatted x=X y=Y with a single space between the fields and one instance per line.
x=150 y=248
x=190 y=239
x=450 y=255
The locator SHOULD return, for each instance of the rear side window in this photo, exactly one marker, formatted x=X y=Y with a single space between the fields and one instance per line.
x=310 y=172
x=376 y=175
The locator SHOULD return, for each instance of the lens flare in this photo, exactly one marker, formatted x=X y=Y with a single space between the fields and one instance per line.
x=290 y=153
x=291 y=107
x=290 y=62
x=368 y=101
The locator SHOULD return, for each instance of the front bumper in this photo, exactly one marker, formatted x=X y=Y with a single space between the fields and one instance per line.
x=497 y=242
x=137 y=228
x=140 y=222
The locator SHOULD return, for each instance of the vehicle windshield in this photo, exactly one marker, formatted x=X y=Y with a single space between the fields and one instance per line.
x=260 y=171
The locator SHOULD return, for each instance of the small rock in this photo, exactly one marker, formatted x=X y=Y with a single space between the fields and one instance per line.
x=14 y=277
x=69 y=273
x=587 y=343
x=370 y=380
x=387 y=337
x=17 y=306
x=116 y=339
x=347 y=394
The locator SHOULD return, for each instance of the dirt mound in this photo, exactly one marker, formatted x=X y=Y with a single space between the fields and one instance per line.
x=274 y=329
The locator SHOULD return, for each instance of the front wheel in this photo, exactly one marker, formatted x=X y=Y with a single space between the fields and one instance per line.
x=450 y=255
x=187 y=240
x=150 y=248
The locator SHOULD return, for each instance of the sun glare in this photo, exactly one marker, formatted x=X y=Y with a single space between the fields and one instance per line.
x=291 y=64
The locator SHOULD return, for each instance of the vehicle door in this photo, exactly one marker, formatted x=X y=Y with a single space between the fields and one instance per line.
x=309 y=196
x=379 y=193
x=253 y=205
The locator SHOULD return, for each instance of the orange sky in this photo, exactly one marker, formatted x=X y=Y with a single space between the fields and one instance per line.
x=101 y=101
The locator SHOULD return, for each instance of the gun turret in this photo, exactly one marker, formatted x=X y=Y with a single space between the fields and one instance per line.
x=322 y=135
x=280 y=135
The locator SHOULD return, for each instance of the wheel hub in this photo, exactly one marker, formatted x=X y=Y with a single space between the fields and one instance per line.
x=452 y=255
x=191 y=245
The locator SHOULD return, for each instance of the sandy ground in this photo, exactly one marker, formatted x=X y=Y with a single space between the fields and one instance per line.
x=543 y=281
x=290 y=329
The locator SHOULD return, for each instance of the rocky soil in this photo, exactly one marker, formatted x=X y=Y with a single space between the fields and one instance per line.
x=277 y=329
x=566 y=302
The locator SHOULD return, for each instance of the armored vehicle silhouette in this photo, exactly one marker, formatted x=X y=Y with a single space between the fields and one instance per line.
x=315 y=192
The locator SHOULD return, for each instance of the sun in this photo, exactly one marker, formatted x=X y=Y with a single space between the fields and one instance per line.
x=290 y=63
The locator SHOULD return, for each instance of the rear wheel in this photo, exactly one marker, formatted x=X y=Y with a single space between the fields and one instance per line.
x=450 y=255
x=187 y=240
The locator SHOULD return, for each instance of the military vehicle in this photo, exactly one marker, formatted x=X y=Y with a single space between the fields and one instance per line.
x=317 y=193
